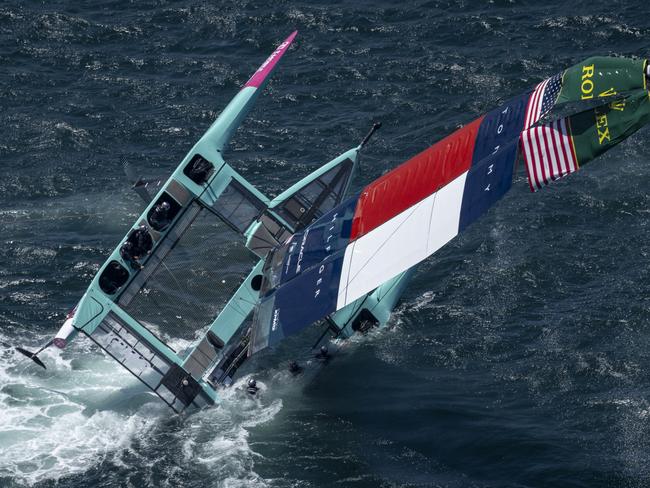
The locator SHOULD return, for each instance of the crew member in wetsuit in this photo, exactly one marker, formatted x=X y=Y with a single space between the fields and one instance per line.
x=127 y=251
x=294 y=368
x=323 y=355
x=252 y=386
x=137 y=245
x=159 y=218
x=142 y=240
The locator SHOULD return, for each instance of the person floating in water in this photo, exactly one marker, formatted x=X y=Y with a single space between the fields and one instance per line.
x=324 y=354
x=252 y=386
x=137 y=245
x=159 y=217
x=295 y=368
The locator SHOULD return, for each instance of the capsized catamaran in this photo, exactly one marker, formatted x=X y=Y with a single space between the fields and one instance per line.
x=172 y=276
x=318 y=257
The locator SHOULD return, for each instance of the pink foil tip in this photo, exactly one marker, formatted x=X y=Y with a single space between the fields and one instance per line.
x=267 y=66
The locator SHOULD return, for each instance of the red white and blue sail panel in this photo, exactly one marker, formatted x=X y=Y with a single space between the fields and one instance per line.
x=461 y=176
x=394 y=223
x=548 y=152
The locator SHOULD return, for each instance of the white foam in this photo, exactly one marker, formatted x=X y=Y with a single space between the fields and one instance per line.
x=52 y=424
x=226 y=452
x=44 y=432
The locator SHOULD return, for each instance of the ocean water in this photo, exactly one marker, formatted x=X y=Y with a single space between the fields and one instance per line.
x=519 y=356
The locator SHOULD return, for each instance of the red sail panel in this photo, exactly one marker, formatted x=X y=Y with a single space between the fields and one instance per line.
x=414 y=180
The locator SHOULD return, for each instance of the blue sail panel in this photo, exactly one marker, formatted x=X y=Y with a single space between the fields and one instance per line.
x=486 y=183
x=304 y=275
x=500 y=127
x=300 y=302
x=313 y=245
x=495 y=153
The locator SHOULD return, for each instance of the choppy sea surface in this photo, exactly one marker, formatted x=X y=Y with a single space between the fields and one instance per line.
x=520 y=354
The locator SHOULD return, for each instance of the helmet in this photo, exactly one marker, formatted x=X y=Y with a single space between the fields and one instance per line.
x=252 y=383
x=165 y=205
x=323 y=349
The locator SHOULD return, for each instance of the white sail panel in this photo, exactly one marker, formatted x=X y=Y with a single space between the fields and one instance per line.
x=401 y=242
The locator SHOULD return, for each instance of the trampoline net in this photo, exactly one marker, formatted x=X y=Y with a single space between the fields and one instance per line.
x=188 y=280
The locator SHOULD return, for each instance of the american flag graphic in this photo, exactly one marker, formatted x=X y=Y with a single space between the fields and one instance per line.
x=542 y=99
x=548 y=152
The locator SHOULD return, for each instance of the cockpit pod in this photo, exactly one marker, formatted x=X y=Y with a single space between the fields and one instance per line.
x=199 y=169
x=113 y=277
x=163 y=212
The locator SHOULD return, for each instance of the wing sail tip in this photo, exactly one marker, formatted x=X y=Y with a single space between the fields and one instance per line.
x=267 y=67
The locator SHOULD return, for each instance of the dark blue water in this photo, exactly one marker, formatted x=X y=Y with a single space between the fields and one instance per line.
x=519 y=356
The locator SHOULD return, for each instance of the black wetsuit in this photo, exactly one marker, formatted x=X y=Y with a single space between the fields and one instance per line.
x=294 y=368
x=323 y=355
x=127 y=251
x=142 y=242
x=159 y=218
x=138 y=244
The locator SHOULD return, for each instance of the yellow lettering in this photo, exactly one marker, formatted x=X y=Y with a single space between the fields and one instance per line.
x=602 y=127
x=587 y=86
x=618 y=105
x=602 y=135
x=608 y=93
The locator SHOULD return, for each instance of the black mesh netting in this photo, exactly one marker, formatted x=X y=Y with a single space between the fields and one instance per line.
x=185 y=285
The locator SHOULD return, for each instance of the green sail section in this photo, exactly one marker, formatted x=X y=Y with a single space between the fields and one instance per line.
x=598 y=130
x=557 y=148
x=601 y=76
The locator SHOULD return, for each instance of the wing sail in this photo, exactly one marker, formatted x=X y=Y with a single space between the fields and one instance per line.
x=411 y=212
x=394 y=223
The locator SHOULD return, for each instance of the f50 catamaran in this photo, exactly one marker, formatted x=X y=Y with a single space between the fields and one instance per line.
x=317 y=255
